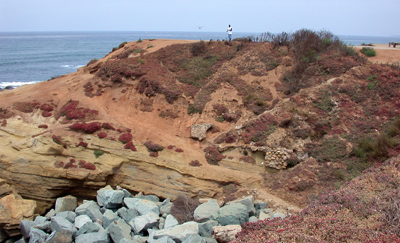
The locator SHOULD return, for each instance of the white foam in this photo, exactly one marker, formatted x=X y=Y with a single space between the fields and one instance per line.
x=16 y=84
x=72 y=66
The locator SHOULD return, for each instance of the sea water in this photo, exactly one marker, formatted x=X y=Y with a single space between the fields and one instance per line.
x=30 y=57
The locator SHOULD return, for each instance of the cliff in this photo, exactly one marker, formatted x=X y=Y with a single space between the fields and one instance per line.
x=286 y=120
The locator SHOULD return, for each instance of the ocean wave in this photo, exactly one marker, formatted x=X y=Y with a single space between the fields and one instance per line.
x=15 y=84
x=72 y=66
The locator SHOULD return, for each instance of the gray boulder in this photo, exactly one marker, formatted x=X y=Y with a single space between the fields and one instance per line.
x=253 y=219
x=165 y=207
x=177 y=233
x=139 y=239
x=40 y=219
x=37 y=236
x=93 y=211
x=144 y=222
x=45 y=226
x=194 y=239
x=142 y=206
x=67 y=203
x=164 y=239
x=60 y=224
x=248 y=202
x=81 y=220
x=95 y=237
x=205 y=229
x=68 y=215
x=81 y=209
x=26 y=226
x=204 y=211
x=89 y=227
x=170 y=221
x=50 y=213
x=59 y=237
x=152 y=198
x=108 y=217
x=232 y=214
x=119 y=230
x=110 y=198
x=127 y=214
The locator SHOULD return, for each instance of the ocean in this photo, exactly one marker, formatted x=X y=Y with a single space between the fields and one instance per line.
x=30 y=57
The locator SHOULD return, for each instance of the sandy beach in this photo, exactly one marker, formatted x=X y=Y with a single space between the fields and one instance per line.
x=384 y=53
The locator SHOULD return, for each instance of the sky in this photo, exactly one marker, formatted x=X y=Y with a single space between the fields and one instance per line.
x=341 y=17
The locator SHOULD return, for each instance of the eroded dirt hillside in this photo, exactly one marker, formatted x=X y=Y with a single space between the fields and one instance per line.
x=289 y=120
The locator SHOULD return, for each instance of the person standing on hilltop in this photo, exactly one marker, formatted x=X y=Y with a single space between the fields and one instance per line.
x=229 y=30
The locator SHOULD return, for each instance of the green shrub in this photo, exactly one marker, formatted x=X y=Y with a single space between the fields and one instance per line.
x=368 y=51
x=98 y=153
x=198 y=48
x=139 y=40
x=122 y=44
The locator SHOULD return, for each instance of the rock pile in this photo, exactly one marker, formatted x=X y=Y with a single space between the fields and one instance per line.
x=276 y=159
x=119 y=217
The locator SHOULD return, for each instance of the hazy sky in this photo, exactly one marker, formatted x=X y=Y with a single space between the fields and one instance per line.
x=341 y=17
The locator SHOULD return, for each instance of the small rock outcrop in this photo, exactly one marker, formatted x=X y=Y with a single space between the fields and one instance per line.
x=199 y=131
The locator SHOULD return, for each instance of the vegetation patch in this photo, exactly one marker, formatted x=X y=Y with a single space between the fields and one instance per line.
x=153 y=147
x=213 y=156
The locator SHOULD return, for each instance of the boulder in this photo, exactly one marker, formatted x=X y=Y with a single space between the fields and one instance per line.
x=37 y=236
x=13 y=209
x=119 y=230
x=170 y=221
x=96 y=237
x=142 y=206
x=81 y=220
x=127 y=214
x=144 y=222
x=205 y=229
x=81 y=209
x=59 y=237
x=89 y=227
x=226 y=233
x=152 y=198
x=60 y=224
x=199 y=131
x=26 y=226
x=109 y=198
x=194 y=239
x=248 y=202
x=165 y=207
x=108 y=217
x=204 y=211
x=232 y=214
x=68 y=215
x=177 y=233
x=67 y=203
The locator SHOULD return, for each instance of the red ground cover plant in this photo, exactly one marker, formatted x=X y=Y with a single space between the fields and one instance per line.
x=46 y=114
x=195 y=163
x=83 y=144
x=57 y=139
x=153 y=147
x=107 y=126
x=86 y=127
x=213 y=156
x=125 y=137
x=179 y=150
x=153 y=154
x=86 y=165
x=4 y=123
x=5 y=114
x=26 y=107
x=71 y=111
x=130 y=145
x=102 y=135
x=46 y=107
x=365 y=209
x=170 y=147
